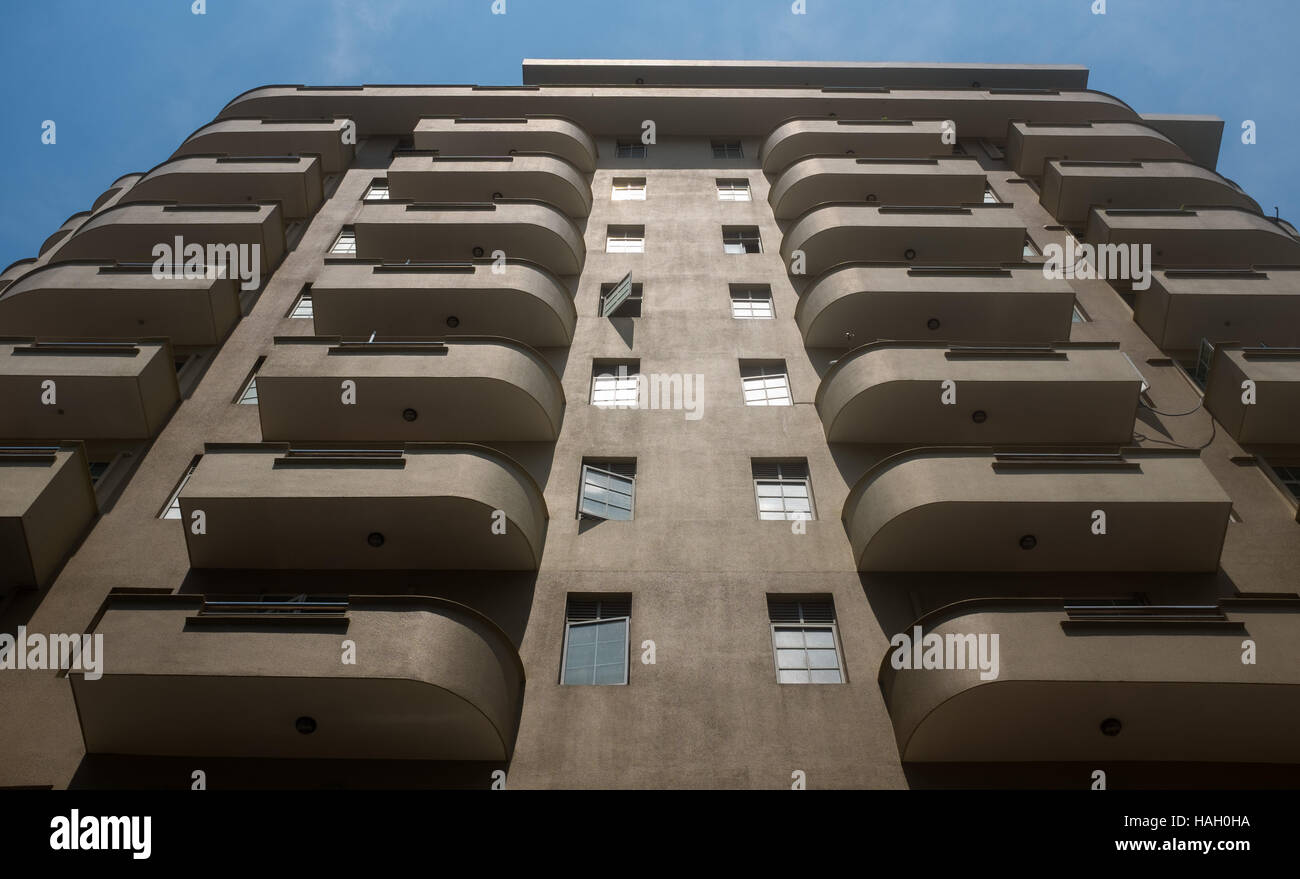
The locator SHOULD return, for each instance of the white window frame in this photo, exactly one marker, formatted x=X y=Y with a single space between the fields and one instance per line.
x=582 y=494
x=635 y=149
x=628 y=189
x=625 y=240
x=174 y=500
x=569 y=625
x=990 y=197
x=377 y=191
x=622 y=387
x=785 y=514
x=733 y=189
x=302 y=306
x=803 y=628
x=750 y=303
x=764 y=375
x=345 y=244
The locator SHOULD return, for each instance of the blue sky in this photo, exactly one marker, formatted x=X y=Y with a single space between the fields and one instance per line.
x=126 y=81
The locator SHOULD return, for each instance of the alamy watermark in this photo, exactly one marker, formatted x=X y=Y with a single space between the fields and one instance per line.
x=621 y=390
x=193 y=261
x=37 y=652
x=1105 y=262
x=950 y=651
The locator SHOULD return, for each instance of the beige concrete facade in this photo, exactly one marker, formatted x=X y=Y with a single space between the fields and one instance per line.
x=431 y=518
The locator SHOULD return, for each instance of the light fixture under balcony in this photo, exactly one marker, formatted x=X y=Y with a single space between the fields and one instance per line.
x=453 y=321
x=1111 y=726
x=979 y=416
x=1029 y=541
x=909 y=254
x=375 y=539
x=409 y=415
x=478 y=252
x=933 y=323
x=305 y=725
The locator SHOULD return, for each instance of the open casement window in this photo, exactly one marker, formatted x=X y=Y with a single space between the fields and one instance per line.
x=782 y=490
x=1204 y=356
x=346 y=243
x=622 y=299
x=765 y=384
x=608 y=490
x=172 y=509
x=596 y=640
x=805 y=642
x=741 y=239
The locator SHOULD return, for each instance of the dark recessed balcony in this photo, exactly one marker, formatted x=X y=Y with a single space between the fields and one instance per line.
x=893 y=392
x=130 y=232
x=1200 y=237
x=941 y=509
x=467 y=136
x=46 y=504
x=96 y=390
x=294 y=182
x=858 y=303
x=522 y=230
x=422 y=507
x=427 y=177
x=1102 y=684
x=845 y=232
x=271 y=137
x=1183 y=306
x=1072 y=188
x=439 y=681
x=474 y=389
x=864 y=139
x=1031 y=145
x=516 y=300
x=1255 y=393
x=825 y=179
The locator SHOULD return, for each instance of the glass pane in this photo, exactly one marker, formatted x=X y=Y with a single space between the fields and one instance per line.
x=791 y=659
x=823 y=659
x=609 y=674
x=819 y=638
x=578 y=675
x=582 y=634
x=788 y=638
x=827 y=676
x=581 y=655
x=793 y=677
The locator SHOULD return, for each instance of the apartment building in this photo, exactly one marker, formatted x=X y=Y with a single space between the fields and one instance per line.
x=648 y=424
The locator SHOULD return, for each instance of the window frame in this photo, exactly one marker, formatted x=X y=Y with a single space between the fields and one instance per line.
x=376 y=185
x=174 y=499
x=784 y=373
x=569 y=625
x=781 y=480
x=350 y=234
x=727 y=149
x=611 y=236
x=741 y=232
x=615 y=376
x=733 y=185
x=582 y=492
x=733 y=289
x=615 y=189
x=631 y=149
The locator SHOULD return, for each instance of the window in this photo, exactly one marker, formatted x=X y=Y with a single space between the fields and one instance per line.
x=608 y=490
x=172 y=509
x=346 y=243
x=1289 y=476
x=595 y=640
x=97 y=470
x=727 y=149
x=805 y=642
x=1204 y=355
x=630 y=149
x=741 y=239
x=302 y=305
x=1029 y=249
x=614 y=384
x=736 y=189
x=765 y=384
x=1077 y=316
x=248 y=394
x=751 y=303
x=629 y=189
x=782 y=490
x=620 y=300
x=378 y=191
x=989 y=197
x=625 y=239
